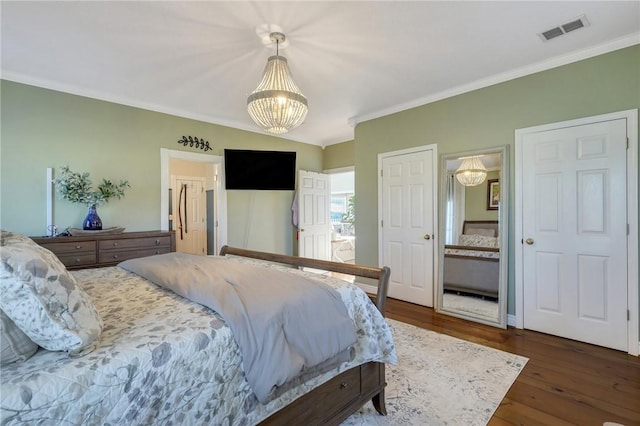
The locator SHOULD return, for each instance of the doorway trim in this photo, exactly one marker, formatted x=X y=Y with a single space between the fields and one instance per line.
x=631 y=116
x=217 y=162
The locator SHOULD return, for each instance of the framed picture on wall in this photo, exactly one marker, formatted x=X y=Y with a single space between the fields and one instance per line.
x=493 y=194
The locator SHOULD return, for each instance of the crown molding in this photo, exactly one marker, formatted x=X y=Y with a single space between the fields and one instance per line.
x=122 y=100
x=558 y=61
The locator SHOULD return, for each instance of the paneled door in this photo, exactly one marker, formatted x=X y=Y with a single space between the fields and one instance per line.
x=314 y=222
x=574 y=232
x=408 y=224
x=189 y=214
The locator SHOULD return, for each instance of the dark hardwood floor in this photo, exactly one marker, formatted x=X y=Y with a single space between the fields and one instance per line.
x=564 y=382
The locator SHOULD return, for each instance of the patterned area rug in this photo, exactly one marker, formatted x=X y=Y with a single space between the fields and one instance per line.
x=441 y=380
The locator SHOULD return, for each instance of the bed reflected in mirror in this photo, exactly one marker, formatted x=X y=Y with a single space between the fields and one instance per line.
x=472 y=255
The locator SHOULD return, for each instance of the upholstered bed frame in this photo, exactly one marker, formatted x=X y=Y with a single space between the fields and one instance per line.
x=470 y=227
x=337 y=399
x=473 y=270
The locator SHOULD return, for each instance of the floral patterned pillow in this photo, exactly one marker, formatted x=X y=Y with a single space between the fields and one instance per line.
x=42 y=298
x=15 y=346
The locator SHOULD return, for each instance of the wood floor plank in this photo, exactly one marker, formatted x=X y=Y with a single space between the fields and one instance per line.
x=564 y=383
x=512 y=412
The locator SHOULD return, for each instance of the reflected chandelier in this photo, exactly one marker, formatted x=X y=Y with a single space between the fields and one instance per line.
x=277 y=105
x=472 y=171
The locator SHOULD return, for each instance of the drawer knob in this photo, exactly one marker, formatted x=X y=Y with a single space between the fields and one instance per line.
x=157 y=242
x=115 y=244
x=77 y=260
x=344 y=385
x=115 y=256
x=157 y=251
x=78 y=247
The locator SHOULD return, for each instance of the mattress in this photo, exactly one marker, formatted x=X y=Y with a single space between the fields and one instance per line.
x=164 y=360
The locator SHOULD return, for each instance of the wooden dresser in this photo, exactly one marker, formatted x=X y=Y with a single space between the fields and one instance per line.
x=107 y=250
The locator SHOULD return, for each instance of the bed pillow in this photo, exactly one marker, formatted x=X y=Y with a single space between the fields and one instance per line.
x=8 y=237
x=478 y=241
x=42 y=298
x=15 y=346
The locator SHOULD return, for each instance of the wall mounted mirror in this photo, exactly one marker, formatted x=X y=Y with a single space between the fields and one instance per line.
x=473 y=229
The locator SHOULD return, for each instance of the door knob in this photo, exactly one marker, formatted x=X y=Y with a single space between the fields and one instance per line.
x=529 y=241
x=427 y=236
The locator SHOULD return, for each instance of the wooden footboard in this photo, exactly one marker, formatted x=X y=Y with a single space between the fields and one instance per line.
x=335 y=400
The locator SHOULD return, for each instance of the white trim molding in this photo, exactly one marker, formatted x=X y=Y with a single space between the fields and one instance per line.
x=620 y=43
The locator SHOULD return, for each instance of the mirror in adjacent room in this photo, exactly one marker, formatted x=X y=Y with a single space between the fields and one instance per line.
x=473 y=225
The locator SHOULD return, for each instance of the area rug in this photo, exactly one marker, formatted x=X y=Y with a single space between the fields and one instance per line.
x=486 y=309
x=441 y=380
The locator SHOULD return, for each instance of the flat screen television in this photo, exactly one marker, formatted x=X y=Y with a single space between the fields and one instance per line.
x=264 y=170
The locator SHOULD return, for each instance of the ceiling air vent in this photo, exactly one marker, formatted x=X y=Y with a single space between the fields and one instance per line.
x=565 y=28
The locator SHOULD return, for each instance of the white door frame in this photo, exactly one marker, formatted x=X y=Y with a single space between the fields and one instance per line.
x=220 y=192
x=434 y=201
x=633 y=346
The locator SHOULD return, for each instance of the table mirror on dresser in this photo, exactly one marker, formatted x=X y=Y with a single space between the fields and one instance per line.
x=473 y=228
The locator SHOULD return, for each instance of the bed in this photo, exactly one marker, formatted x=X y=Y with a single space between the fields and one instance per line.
x=163 y=359
x=473 y=265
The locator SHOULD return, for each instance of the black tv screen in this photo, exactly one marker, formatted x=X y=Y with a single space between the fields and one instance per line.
x=266 y=170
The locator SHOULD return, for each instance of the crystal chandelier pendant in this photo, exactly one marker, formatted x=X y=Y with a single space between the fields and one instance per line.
x=277 y=104
x=471 y=172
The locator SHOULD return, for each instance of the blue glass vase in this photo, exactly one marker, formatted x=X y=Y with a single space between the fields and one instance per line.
x=92 y=222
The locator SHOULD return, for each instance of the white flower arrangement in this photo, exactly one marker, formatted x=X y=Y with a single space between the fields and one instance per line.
x=76 y=188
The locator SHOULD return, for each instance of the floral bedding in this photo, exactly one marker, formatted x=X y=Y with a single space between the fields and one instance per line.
x=469 y=244
x=164 y=360
x=472 y=253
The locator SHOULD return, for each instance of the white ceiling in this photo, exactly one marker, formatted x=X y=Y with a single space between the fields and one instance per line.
x=353 y=60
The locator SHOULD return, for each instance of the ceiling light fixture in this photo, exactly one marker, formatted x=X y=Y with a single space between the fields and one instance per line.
x=472 y=171
x=277 y=105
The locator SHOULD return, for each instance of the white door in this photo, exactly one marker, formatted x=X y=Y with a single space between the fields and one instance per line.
x=190 y=215
x=574 y=231
x=314 y=222
x=408 y=225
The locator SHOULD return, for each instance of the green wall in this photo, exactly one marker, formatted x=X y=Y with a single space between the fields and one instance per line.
x=43 y=128
x=487 y=118
x=475 y=200
x=339 y=155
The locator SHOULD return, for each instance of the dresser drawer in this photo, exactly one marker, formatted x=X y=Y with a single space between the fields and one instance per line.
x=93 y=251
x=116 y=256
x=77 y=260
x=71 y=247
x=123 y=244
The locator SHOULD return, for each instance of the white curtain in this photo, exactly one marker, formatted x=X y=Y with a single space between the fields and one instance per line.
x=454 y=217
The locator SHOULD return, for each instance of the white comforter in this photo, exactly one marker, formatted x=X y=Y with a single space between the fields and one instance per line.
x=162 y=360
x=274 y=315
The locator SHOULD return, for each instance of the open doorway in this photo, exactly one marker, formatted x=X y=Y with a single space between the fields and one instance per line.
x=343 y=221
x=178 y=168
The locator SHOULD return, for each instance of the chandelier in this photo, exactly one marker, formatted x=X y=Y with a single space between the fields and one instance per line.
x=472 y=171
x=277 y=105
